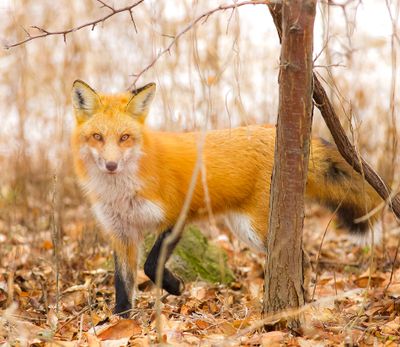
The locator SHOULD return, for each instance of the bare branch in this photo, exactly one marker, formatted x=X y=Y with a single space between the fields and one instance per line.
x=64 y=33
x=106 y=5
x=133 y=21
x=204 y=16
x=347 y=149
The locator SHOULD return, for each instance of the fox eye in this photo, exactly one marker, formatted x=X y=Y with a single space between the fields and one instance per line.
x=97 y=137
x=124 y=137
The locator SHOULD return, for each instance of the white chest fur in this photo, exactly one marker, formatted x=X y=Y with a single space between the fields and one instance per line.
x=120 y=210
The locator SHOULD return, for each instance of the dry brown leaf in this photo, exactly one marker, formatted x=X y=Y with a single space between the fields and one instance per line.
x=324 y=279
x=376 y=279
x=140 y=342
x=47 y=244
x=273 y=339
x=198 y=292
x=188 y=308
x=92 y=340
x=302 y=342
x=70 y=300
x=213 y=307
x=392 y=327
x=76 y=288
x=373 y=310
x=52 y=319
x=227 y=328
x=3 y=296
x=166 y=323
x=121 y=329
x=256 y=286
x=394 y=290
x=241 y=323
x=202 y=324
x=60 y=343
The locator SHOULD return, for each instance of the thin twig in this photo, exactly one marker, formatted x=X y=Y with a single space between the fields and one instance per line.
x=320 y=248
x=80 y=331
x=271 y=318
x=393 y=266
x=64 y=33
x=55 y=233
x=204 y=16
x=378 y=208
x=392 y=127
x=71 y=319
x=177 y=230
x=393 y=110
x=106 y=5
x=10 y=279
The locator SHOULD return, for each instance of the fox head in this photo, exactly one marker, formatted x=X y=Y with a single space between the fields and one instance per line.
x=109 y=127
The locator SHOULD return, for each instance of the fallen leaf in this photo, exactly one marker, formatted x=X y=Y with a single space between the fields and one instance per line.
x=123 y=328
x=47 y=244
x=273 y=339
x=309 y=343
x=52 y=319
x=201 y=324
x=376 y=279
x=227 y=328
x=394 y=290
x=92 y=340
x=60 y=343
x=392 y=327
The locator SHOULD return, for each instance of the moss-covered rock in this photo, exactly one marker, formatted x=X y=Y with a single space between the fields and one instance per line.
x=194 y=258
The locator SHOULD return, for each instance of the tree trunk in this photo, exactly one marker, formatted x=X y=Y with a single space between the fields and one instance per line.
x=344 y=145
x=284 y=264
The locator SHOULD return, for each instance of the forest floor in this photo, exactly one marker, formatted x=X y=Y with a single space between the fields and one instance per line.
x=350 y=306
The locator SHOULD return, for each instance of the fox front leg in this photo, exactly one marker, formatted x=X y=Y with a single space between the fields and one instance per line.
x=171 y=283
x=123 y=284
x=125 y=260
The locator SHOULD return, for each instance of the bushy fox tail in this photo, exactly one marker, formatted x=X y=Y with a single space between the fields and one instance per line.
x=335 y=184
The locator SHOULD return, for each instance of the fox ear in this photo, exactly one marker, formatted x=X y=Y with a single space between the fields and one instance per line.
x=84 y=99
x=139 y=105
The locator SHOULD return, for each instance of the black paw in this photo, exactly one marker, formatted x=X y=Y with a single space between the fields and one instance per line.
x=174 y=285
x=123 y=310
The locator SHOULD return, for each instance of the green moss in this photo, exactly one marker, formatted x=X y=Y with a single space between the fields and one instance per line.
x=194 y=258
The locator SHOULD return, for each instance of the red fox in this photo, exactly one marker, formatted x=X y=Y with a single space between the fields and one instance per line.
x=137 y=179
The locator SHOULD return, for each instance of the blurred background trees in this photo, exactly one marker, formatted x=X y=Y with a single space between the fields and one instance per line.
x=223 y=71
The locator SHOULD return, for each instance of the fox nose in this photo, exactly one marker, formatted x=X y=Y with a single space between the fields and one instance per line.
x=111 y=166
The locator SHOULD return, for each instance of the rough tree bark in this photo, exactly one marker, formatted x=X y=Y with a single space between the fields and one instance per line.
x=284 y=264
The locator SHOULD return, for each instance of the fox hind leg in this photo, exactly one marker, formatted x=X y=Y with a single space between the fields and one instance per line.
x=171 y=283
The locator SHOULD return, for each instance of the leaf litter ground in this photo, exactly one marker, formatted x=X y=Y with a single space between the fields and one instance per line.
x=350 y=306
